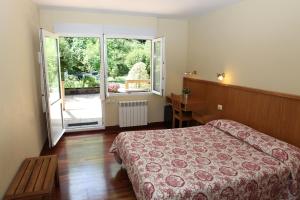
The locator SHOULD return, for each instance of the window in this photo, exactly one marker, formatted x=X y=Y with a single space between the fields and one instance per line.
x=158 y=66
x=128 y=65
x=134 y=65
x=80 y=62
x=50 y=46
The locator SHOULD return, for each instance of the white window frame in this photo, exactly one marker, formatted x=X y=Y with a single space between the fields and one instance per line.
x=162 y=70
x=134 y=93
x=104 y=72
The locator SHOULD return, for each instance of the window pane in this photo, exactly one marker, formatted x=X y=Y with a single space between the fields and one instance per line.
x=157 y=66
x=80 y=62
x=51 y=56
x=157 y=48
x=128 y=65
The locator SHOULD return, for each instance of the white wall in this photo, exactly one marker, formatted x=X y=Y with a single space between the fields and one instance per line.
x=21 y=130
x=175 y=31
x=255 y=42
x=176 y=35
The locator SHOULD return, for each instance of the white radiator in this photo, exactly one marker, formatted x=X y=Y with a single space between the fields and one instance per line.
x=133 y=113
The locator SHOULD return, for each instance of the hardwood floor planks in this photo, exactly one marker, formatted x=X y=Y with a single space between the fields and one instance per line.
x=87 y=171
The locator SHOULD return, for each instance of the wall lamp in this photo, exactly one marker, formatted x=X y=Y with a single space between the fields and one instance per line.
x=221 y=76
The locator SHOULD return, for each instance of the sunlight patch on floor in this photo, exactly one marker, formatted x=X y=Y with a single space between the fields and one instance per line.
x=82 y=108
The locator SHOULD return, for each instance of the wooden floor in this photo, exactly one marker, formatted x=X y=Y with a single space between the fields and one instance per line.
x=87 y=171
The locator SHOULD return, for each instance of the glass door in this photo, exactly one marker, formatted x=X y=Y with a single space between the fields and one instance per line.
x=51 y=85
x=81 y=61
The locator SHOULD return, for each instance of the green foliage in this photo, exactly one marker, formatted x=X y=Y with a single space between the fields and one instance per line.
x=124 y=53
x=90 y=81
x=52 y=65
x=73 y=82
x=79 y=55
x=118 y=79
x=140 y=54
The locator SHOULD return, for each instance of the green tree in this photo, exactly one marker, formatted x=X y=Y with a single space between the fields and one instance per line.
x=82 y=55
x=117 y=50
x=140 y=53
x=79 y=55
x=124 y=53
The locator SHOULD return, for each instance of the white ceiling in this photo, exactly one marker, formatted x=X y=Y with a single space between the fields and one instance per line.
x=147 y=7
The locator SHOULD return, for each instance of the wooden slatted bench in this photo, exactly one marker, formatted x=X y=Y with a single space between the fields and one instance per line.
x=35 y=179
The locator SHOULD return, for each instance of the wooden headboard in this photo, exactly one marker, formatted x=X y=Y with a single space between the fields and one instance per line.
x=275 y=114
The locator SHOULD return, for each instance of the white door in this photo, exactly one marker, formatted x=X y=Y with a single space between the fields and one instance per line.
x=103 y=75
x=51 y=85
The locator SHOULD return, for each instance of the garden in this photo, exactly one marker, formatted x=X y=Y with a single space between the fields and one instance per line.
x=128 y=63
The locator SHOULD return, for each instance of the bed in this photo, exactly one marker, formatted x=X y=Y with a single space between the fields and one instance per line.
x=220 y=160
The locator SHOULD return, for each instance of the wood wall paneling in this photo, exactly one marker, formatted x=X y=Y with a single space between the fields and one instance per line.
x=290 y=121
x=275 y=114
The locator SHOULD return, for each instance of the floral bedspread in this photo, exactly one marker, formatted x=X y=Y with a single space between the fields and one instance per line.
x=200 y=163
x=282 y=151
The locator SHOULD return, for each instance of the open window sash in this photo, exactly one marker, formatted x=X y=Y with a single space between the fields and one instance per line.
x=103 y=69
x=51 y=85
x=103 y=75
x=158 y=66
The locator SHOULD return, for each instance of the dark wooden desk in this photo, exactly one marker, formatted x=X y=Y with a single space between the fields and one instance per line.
x=198 y=109
x=191 y=104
